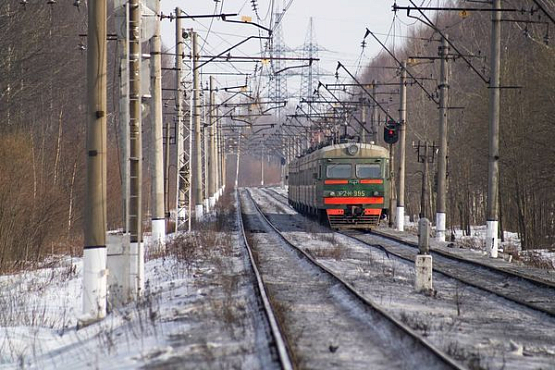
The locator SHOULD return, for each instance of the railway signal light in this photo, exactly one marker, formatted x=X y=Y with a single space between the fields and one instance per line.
x=391 y=133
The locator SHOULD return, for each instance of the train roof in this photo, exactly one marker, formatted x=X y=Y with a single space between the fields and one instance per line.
x=342 y=150
x=365 y=150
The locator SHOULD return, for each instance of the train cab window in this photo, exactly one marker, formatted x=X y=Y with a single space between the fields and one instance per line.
x=368 y=171
x=338 y=171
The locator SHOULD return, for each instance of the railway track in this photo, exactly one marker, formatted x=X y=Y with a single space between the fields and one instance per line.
x=326 y=321
x=278 y=341
x=474 y=326
x=529 y=291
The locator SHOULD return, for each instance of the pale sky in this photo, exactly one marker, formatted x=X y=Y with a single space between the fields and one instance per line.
x=339 y=27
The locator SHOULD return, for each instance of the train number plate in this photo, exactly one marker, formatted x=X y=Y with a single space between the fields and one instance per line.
x=350 y=193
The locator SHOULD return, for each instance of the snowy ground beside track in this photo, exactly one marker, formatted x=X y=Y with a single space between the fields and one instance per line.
x=201 y=314
x=479 y=329
x=195 y=314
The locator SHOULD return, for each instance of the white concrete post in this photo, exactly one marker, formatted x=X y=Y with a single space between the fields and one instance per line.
x=423 y=262
x=119 y=292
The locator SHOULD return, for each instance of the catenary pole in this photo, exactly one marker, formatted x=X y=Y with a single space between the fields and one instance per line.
x=213 y=157
x=197 y=152
x=424 y=198
x=94 y=254
x=167 y=177
x=402 y=149
x=135 y=153
x=392 y=196
x=238 y=160
x=157 y=151
x=374 y=115
x=223 y=159
x=493 y=153
x=443 y=150
x=205 y=135
x=215 y=150
x=179 y=193
x=124 y=119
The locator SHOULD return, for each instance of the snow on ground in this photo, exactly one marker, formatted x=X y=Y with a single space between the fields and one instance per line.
x=198 y=311
x=509 y=247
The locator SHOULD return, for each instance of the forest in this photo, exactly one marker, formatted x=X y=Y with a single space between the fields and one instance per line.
x=42 y=129
x=527 y=126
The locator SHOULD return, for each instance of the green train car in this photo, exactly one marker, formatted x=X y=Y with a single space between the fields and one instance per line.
x=346 y=185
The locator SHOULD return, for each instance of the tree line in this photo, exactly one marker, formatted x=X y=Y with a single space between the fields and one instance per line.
x=527 y=137
x=43 y=129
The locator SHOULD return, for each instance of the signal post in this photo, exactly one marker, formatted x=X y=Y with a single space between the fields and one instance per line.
x=391 y=136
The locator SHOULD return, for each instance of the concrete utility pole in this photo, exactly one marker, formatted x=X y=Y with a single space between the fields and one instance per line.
x=205 y=135
x=402 y=142
x=443 y=150
x=136 y=252
x=493 y=157
x=157 y=151
x=94 y=254
x=167 y=176
x=215 y=151
x=179 y=193
x=213 y=157
x=238 y=159
x=223 y=159
x=124 y=119
x=392 y=197
x=197 y=154
x=424 y=196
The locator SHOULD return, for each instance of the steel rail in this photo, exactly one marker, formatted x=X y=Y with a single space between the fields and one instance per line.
x=531 y=279
x=440 y=355
x=511 y=274
x=280 y=343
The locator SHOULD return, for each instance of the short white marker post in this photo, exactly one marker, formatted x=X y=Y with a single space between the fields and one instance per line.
x=118 y=246
x=423 y=261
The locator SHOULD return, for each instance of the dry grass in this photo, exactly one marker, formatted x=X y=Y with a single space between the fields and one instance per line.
x=472 y=360
x=290 y=337
x=419 y=323
x=537 y=259
x=472 y=243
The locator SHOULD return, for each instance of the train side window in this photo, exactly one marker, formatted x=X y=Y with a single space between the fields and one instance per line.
x=338 y=171
x=368 y=171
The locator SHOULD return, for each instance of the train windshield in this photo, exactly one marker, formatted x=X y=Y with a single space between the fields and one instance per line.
x=368 y=171
x=338 y=171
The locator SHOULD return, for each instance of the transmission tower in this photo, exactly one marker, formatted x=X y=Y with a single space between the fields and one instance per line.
x=278 y=82
x=310 y=50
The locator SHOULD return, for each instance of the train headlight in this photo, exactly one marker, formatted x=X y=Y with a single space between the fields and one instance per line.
x=376 y=193
x=332 y=193
x=352 y=149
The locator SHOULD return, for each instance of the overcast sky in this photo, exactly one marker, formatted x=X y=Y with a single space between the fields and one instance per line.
x=339 y=28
